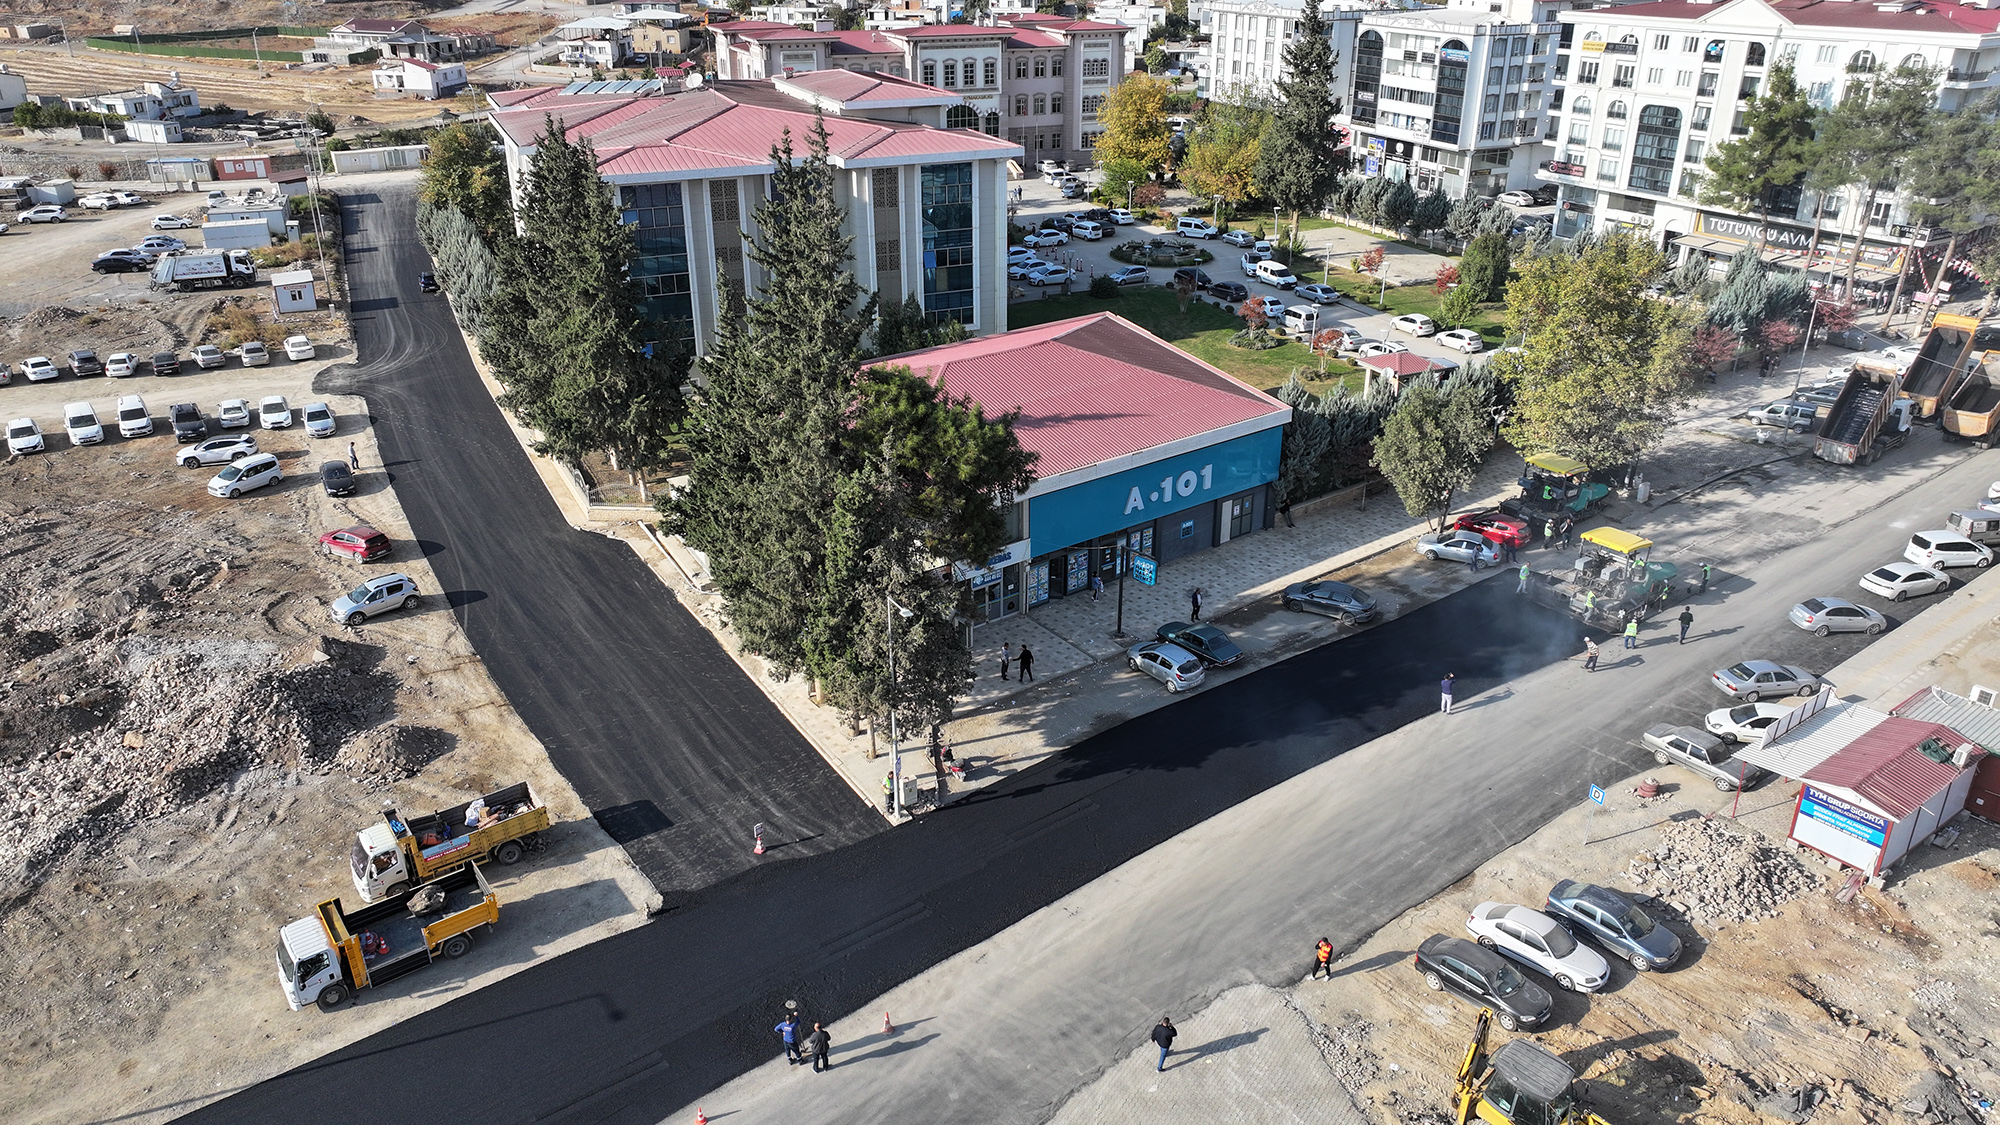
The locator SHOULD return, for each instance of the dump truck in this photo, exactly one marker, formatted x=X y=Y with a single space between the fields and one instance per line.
x=1613 y=579
x=232 y=269
x=1853 y=430
x=1522 y=1083
x=388 y=858
x=1940 y=365
x=1972 y=413
x=326 y=957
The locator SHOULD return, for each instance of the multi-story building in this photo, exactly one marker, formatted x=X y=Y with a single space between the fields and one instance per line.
x=1648 y=90
x=1244 y=57
x=397 y=39
x=1040 y=79
x=926 y=204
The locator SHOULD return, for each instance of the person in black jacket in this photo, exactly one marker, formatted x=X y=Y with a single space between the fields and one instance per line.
x=1164 y=1036
x=820 y=1043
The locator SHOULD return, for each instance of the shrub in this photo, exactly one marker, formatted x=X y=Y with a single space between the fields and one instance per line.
x=74 y=171
x=231 y=324
x=1256 y=340
x=1103 y=287
x=107 y=170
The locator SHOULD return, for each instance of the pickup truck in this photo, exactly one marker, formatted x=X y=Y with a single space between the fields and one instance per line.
x=326 y=957
x=388 y=857
x=188 y=424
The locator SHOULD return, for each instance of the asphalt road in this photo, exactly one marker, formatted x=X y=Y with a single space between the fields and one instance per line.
x=672 y=747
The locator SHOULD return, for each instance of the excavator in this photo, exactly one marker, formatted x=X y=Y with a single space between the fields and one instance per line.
x=1522 y=1083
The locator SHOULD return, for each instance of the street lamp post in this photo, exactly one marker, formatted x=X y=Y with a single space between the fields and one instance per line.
x=1218 y=209
x=1119 y=631
x=1129 y=185
x=891 y=607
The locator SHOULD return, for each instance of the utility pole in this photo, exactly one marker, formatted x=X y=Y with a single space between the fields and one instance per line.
x=889 y=610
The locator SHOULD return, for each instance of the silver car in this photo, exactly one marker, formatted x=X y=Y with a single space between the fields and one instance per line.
x=379 y=595
x=1458 y=546
x=1168 y=663
x=1701 y=752
x=1821 y=616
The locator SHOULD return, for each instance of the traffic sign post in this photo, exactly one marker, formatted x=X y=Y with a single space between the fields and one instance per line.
x=1596 y=806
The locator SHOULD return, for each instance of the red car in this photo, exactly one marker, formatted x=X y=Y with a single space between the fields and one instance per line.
x=1495 y=525
x=362 y=543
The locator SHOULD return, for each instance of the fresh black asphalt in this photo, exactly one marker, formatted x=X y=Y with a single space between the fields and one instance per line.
x=665 y=738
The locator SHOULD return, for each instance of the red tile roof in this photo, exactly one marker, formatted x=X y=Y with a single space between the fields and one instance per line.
x=1931 y=18
x=864 y=43
x=855 y=88
x=953 y=31
x=1405 y=363
x=1885 y=767
x=1034 y=39
x=1092 y=388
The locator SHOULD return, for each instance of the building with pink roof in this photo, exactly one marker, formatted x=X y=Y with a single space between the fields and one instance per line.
x=1141 y=445
x=926 y=204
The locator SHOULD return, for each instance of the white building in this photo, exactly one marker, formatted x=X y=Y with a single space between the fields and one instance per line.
x=1648 y=90
x=152 y=101
x=13 y=88
x=419 y=78
x=603 y=41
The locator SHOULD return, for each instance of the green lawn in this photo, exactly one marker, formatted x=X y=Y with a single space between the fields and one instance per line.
x=1203 y=331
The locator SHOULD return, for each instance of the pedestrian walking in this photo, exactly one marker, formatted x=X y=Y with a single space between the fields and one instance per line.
x=1507 y=551
x=1006 y=658
x=821 y=1043
x=1285 y=510
x=1473 y=562
x=1687 y=619
x=1523 y=587
x=1194 y=605
x=1027 y=665
x=1322 y=960
x=1568 y=531
x=1444 y=689
x=353 y=458
x=788 y=1029
x=1704 y=578
x=1164 y=1036
x=1096 y=586
x=1632 y=631
x=1590 y=654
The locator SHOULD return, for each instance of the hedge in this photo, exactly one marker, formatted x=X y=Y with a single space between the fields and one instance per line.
x=180 y=52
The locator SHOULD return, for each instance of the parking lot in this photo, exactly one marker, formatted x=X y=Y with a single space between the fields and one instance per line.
x=50 y=262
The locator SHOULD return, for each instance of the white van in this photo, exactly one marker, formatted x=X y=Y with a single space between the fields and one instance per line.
x=1302 y=321
x=133 y=418
x=1275 y=273
x=1087 y=231
x=1194 y=228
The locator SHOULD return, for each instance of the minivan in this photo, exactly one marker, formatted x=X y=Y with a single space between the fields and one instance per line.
x=1088 y=231
x=1302 y=321
x=1980 y=527
x=240 y=476
x=1938 y=549
x=1276 y=273
x=133 y=419
x=1195 y=228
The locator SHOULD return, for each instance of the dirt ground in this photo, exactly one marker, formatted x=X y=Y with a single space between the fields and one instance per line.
x=1877 y=1006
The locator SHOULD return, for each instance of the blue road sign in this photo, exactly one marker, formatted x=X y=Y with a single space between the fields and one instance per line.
x=1596 y=794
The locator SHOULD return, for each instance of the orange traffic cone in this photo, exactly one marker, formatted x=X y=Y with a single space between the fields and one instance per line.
x=887 y=1027
x=759 y=849
x=700 y=1118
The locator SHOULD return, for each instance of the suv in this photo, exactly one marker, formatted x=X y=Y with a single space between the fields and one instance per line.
x=1614 y=922
x=133 y=418
x=1796 y=416
x=377 y=595
x=244 y=474
x=83 y=362
x=1703 y=753
x=188 y=424
x=1190 y=273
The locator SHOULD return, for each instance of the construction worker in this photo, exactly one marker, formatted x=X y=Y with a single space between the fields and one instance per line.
x=1322 y=960
x=1632 y=631
x=1523 y=587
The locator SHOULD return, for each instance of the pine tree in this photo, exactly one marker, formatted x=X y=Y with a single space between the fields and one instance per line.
x=1484 y=267
x=1872 y=136
x=1431 y=212
x=1307 y=439
x=1298 y=161
x=1398 y=204
x=1775 y=153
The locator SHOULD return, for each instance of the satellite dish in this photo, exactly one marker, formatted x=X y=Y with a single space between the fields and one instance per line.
x=694 y=81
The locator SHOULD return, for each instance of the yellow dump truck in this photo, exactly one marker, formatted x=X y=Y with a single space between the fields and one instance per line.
x=391 y=857
x=325 y=958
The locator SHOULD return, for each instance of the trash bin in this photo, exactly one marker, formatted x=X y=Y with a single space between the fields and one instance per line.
x=1643 y=491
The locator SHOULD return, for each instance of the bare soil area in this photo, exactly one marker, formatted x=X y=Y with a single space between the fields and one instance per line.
x=1863 y=1007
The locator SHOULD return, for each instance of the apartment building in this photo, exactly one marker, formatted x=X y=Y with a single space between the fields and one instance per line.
x=1036 y=80
x=1647 y=90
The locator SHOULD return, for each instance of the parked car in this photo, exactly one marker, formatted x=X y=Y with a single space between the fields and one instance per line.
x=1240 y=237
x=1701 y=752
x=1229 y=292
x=1166 y=662
x=1494 y=524
x=1763 y=679
x=1057 y=222
x=217 y=451
x=46 y=213
x=39 y=369
x=274 y=413
x=1090 y=230
x=1380 y=347
x=119 y=263
x=1941 y=549
x=1209 y=644
x=1195 y=228
x=1516 y=199
x=188 y=424
x=360 y=543
x=1122 y=217
x=6 y=374
x=1275 y=273
x=97 y=201
x=1019 y=271
x=1538 y=941
x=166 y=363
x=377 y=595
x=162 y=244
x=173 y=222
x=427 y=283
x=1347 y=339
x=80 y=422
x=1189 y=273
x=1480 y=976
x=24 y=437
x=1318 y=294
x=1334 y=599
x=1074 y=189
x=1416 y=324
x=1132 y=275
x=208 y=357
x=133 y=418
x=1049 y=275
x=1744 y=722
x=319 y=420
x=117 y=365
x=240 y=476
x=1043 y=238
x=1463 y=340
x=253 y=353
x=1614 y=922
x=1458 y=546
x=1272 y=308
x=1900 y=580
x=128 y=199
x=1794 y=415
x=336 y=478
x=83 y=362
x=1822 y=616
x=1261 y=250
x=232 y=413
x=1019 y=254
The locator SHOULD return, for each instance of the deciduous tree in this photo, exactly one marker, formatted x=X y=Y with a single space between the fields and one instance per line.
x=1431 y=445
x=1222 y=157
x=1872 y=136
x=1134 y=119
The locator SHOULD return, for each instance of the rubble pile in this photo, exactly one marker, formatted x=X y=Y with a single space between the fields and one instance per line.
x=1717 y=875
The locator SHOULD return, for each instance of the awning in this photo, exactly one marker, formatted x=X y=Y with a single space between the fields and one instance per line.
x=1819 y=729
x=1558 y=464
x=1617 y=541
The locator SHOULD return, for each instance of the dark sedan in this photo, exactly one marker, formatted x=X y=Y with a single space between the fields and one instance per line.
x=1207 y=642
x=1482 y=977
x=427 y=283
x=113 y=263
x=1614 y=922
x=166 y=363
x=336 y=478
x=1335 y=599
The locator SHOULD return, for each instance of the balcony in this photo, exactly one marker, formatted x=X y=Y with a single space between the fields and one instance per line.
x=1967 y=77
x=1621 y=83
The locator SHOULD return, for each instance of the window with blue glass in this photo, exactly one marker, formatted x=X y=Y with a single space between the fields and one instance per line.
x=660 y=261
x=948 y=273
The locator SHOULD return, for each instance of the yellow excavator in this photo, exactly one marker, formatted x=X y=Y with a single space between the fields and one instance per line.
x=1522 y=1083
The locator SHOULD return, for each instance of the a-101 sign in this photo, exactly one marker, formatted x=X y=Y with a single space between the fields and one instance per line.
x=1184 y=485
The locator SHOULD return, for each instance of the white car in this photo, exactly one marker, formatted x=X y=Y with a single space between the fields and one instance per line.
x=128 y=199
x=208 y=357
x=1516 y=198
x=319 y=420
x=23 y=436
x=1020 y=254
x=98 y=201
x=253 y=353
x=242 y=475
x=1744 y=722
x=161 y=244
x=1900 y=580
x=1941 y=549
x=120 y=364
x=39 y=368
x=1274 y=309
x=134 y=420
x=274 y=413
x=1122 y=217
x=1458 y=546
x=1539 y=942
x=1462 y=339
x=1049 y=275
x=46 y=213
x=217 y=451
x=298 y=347
x=81 y=423
x=1042 y=238
x=1019 y=270
x=1416 y=324
x=232 y=414
x=1380 y=347
x=173 y=222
